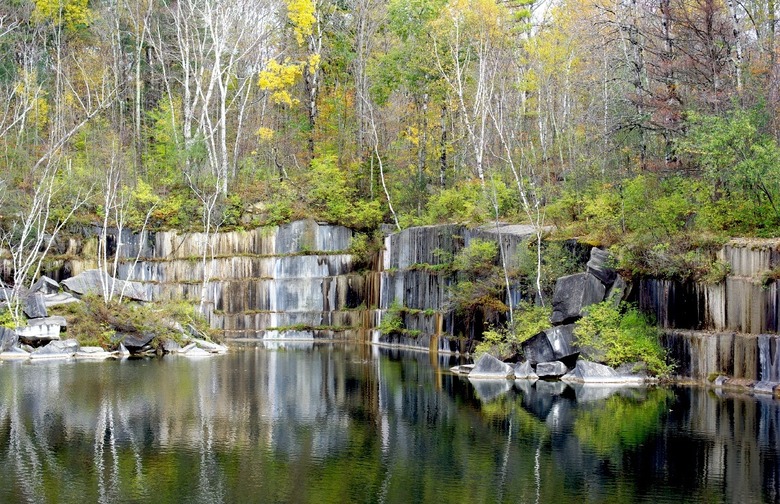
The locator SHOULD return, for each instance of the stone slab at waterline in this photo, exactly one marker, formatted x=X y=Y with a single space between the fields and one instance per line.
x=490 y=368
x=41 y=330
x=554 y=369
x=572 y=294
x=593 y=372
x=56 y=350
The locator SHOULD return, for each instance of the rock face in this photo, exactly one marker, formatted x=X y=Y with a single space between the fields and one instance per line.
x=490 y=368
x=572 y=294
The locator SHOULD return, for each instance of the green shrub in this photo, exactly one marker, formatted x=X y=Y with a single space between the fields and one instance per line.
x=503 y=342
x=622 y=335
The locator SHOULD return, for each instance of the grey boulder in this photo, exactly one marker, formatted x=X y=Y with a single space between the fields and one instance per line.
x=554 y=369
x=490 y=368
x=45 y=285
x=572 y=294
x=551 y=344
x=135 y=342
x=56 y=350
x=34 y=306
x=593 y=372
x=599 y=266
x=92 y=281
x=8 y=339
x=524 y=371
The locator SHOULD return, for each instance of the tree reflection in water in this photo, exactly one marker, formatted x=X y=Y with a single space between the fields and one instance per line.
x=329 y=423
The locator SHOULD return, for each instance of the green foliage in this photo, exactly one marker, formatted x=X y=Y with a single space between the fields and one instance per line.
x=332 y=197
x=620 y=335
x=737 y=158
x=558 y=259
x=96 y=323
x=621 y=423
x=392 y=321
x=504 y=342
x=477 y=259
x=7 y=319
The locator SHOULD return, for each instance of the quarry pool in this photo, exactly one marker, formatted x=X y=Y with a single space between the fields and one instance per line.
x=302 y=422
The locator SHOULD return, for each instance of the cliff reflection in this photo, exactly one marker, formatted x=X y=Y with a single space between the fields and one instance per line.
x=329 y=423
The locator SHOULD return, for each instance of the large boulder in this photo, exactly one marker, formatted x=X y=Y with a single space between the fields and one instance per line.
x=490 y=368
x=599 y=266
x=136 y=342
x=537 y=348
x=91 y=282
x=524 y=371
x=34 y=306
x=593 y=372
x=561 y=340
x=551 y=344
x=40 y=331
x=554 y=369
x=8 y=339
x=45 y=285
x=56 y=350
x=572 y=294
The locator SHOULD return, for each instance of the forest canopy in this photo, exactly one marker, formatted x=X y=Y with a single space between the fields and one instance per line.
x=648 y=126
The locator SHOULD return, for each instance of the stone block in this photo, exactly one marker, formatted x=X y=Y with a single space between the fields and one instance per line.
x=91 y=281
x=524 y=371
x=572 y=294
x=8 y=339
x=40 y=331
x=599 y=266
x=34 y=306
x=135 y=342
x=538 y=349
x=554 y=369
x=45 y=285
x=56 y=350
x=488 y=367
x=561 y=340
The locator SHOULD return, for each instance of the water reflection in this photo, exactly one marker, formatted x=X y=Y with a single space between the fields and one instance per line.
x=331 y=423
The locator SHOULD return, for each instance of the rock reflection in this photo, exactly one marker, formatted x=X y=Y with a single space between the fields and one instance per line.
x=330 y=423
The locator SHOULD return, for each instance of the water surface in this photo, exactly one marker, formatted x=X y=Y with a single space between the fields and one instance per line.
x=339 y=423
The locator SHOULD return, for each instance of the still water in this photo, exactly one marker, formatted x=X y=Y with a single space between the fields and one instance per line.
x=338 y=423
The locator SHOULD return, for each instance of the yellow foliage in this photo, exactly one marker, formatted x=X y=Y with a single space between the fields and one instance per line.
x=301 y=15
x=74 y=14
x=265 y=133
x=277 y=78
x=34 y=99
x=314 y=62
